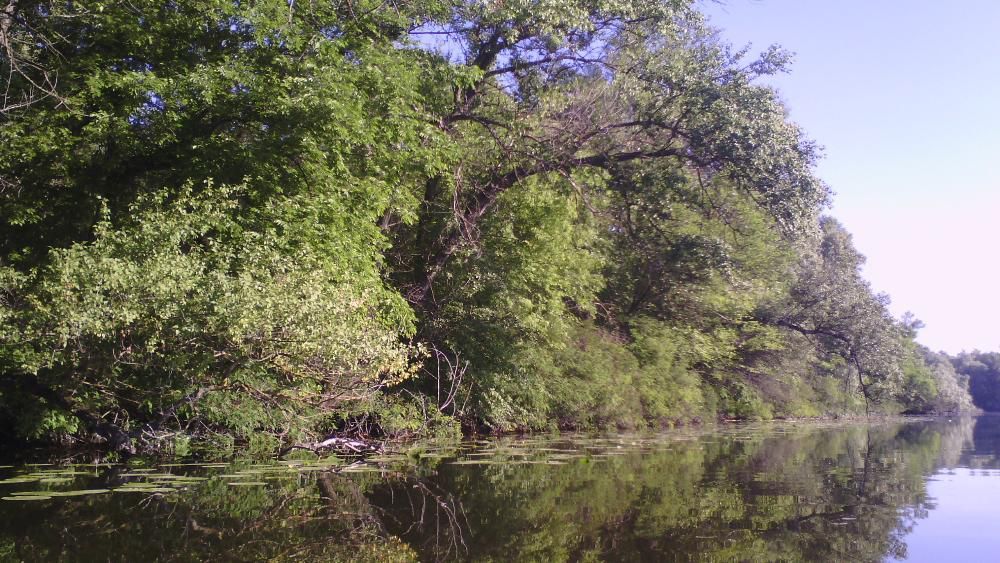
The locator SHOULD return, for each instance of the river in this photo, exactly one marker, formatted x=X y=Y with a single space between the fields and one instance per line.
x=921 y=490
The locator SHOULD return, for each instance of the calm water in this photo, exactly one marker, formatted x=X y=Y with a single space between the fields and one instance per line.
x=922 y=490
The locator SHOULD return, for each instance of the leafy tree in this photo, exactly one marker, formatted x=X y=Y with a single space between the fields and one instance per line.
x=281 y=219
x=557 y=88
x=835 y=307
x=983 y=372
x=135 y=293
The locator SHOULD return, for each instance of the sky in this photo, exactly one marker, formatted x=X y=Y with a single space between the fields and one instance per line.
x=905 y=98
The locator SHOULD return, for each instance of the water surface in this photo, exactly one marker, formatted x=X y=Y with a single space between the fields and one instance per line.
x=923 y=490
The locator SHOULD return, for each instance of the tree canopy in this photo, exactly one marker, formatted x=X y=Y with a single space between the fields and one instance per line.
x=279 y=220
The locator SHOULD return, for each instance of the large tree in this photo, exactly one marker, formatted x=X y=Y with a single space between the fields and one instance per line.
x=833 y=305
x=192 y=225
x=551 y=89
x=252 y=218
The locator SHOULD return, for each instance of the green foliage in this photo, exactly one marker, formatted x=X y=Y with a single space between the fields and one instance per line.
x=133 y=290
x=919 y=385
x=273 y=220
x=982 y=372
x=832 y=305
x=182 y=299
x=668 y=385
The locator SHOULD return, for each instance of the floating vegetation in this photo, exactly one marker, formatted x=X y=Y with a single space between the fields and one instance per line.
x=315 y=468
x=196 y=464
x=16 y=480
x=387 y=459
x=361 y=469
x=51 y=494
x=144 y=490
x=185 y=479
x=79 y=493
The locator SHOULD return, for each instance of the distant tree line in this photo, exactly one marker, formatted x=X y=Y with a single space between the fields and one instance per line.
x=981 y=372
x=270 y=222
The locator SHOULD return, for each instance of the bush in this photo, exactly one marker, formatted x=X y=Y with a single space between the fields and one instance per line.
x=183 y=315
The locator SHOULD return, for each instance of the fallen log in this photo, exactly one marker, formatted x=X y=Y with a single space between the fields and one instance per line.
x=340 y=445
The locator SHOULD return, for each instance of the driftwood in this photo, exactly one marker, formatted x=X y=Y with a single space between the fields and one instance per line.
x=339 y=445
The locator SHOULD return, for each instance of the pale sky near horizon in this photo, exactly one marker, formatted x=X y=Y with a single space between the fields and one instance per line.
x=905 y=98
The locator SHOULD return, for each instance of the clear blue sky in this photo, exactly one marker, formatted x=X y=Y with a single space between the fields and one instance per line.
x=905 y=98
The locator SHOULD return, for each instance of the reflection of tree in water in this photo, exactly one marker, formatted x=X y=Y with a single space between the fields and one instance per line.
x=985 y=453
x=317 y=517
x=836 y=494
x=957 y=439
x=848 y=493
x=433 y=520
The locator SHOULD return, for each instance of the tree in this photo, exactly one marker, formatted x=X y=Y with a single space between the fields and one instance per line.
x=983 y=372
x=192 y=228
x=27 y=53
x=832 y=304
x=554 y=89
x=255 y=220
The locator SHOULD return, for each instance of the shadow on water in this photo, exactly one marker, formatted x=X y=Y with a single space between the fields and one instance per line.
x=847 y=492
